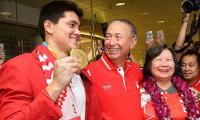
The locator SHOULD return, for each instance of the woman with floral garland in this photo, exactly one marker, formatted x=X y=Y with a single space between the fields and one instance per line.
x=164 y=95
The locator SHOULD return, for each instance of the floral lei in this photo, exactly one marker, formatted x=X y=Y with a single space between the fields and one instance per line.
x=160 y=106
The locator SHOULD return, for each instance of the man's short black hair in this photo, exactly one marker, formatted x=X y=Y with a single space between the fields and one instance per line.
x=54 y=10
x=190 y=52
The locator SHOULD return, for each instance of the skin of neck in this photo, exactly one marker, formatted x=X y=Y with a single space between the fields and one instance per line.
x=120 y=63
x=60 y=53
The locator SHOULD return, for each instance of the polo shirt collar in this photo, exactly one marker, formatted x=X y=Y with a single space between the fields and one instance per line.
x=111 y=66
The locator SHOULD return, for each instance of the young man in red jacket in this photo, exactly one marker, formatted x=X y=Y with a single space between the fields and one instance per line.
x=113 y=91
x=43 y=85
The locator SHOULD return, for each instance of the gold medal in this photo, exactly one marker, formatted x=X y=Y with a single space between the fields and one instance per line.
x=81 y=56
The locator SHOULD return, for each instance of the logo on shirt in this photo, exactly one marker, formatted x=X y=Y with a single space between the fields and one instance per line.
x=107 y=87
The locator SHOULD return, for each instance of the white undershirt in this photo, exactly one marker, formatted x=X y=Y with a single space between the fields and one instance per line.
x=79 y=94
x=76 y=96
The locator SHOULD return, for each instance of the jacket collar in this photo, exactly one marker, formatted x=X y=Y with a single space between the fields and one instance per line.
x=196 y=82
x=111 y=66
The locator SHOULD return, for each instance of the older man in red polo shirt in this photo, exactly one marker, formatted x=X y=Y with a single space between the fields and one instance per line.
x=113 y=91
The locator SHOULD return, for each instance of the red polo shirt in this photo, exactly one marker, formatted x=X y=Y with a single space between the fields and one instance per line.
x=117 y=91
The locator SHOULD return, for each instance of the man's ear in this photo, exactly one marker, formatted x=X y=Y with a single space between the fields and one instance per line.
x=48 y=26
x=133 y=42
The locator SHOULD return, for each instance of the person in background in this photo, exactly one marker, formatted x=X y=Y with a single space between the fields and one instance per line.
x=2 y=54
x=160 y=39
x=44 y=84
x=185 y=42
x=130 y=57
x=181 y=35
x=150 y=43
x=190 y=66
x=164 y=95
x=100 y=50
x=112 y=90
x=2 y=59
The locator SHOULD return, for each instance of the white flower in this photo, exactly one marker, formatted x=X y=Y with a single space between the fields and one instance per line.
x=145 y=97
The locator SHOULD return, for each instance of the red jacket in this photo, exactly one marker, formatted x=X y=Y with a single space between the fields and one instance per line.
x=21 y=91
x=111 y=96
x=196 y=85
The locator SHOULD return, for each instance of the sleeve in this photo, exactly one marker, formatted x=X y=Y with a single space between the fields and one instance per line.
x=85 y=73
x=17 y=101
x=138 y=72
x=93 y=111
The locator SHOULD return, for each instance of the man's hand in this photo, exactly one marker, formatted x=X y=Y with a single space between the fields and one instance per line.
x=149 y=43
x=64 y=69
x=186 y=17
x=160 y=41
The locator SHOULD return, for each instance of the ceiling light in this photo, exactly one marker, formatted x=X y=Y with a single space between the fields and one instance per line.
x=161 y=21
x=120 y=3
x=144 y=13
x=5 y=13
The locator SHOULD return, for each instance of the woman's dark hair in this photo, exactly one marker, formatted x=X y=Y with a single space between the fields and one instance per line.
x=153 y=53
x=54 y=10
x=190 y=52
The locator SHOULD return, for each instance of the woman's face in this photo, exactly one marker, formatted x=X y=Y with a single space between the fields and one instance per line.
x=163 y=66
